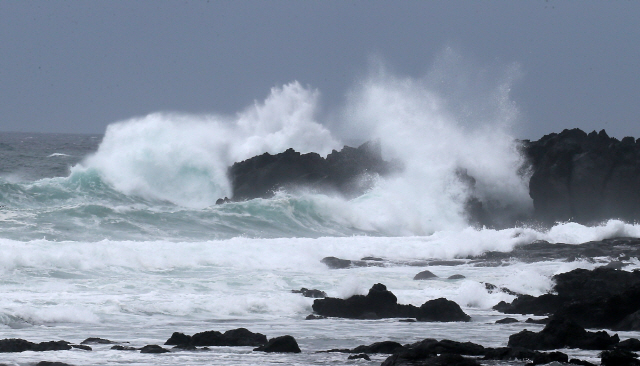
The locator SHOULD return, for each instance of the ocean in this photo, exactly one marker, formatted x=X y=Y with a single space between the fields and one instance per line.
x=117 y=236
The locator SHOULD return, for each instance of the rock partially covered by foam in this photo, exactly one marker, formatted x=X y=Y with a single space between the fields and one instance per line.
x=382 y=303
x=583 y=177
x=600 y=298
x=341 y=171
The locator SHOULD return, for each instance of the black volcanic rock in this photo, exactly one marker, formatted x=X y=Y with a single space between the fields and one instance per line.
x=263 y=175
x=363 y=356
x=21 y=345
x=231 y=338
x=94 y=340
x=283 y=344
x=563 y=333
x=619 y=358
x=425 y=275
x=313 y=293
x=519 y=353
x=600 y=298
x=432 y=352
x=584 y=177
x=382 y=303
x=153 y=348
x=507 y=321
x=378 y=347
x=441 y=310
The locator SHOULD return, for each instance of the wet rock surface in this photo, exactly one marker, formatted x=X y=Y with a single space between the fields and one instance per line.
x=601 y=298
x=283 y=344
x=21 y=345
x=341 y=171
x=584 y=177
x=382 y=303
x=153 y=348
x=313 y=293
x=231 y=338
x=563 y=333
x=425 y=275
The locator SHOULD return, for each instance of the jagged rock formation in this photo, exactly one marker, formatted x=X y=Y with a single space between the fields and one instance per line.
x=600 y=298
x=341 y=171
x=583 y=177
x=575 y=176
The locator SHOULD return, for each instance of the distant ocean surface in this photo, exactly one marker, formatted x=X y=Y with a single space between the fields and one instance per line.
x=118 y=237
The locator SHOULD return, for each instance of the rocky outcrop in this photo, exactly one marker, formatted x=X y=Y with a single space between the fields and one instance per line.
x=341 y=172
x=601 y=298
x=583 y=177
x=382 y=303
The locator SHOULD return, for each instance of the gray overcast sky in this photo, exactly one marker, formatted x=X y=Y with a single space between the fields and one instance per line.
x=76 y=66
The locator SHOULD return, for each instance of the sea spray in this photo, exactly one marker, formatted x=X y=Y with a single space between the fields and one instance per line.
x=184 y=158
x=448 y=163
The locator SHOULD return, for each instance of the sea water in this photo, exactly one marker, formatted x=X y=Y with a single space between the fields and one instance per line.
x=117 y=235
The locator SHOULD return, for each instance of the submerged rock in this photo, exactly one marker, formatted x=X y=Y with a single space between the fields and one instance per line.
x=317 y=294
x=93 y=340
x=153 y=348
x=456 y=277
x=82 y=347
x=507 y=321
x=363 y=356
x=425 y=275
x=123 y=348
x=336 y=263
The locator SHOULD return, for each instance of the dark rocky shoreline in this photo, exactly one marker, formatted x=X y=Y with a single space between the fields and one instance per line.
x=573 y=176
x=573 y=291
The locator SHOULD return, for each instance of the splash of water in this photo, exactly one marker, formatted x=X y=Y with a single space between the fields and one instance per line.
x=184 y=158
x=450 y=153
